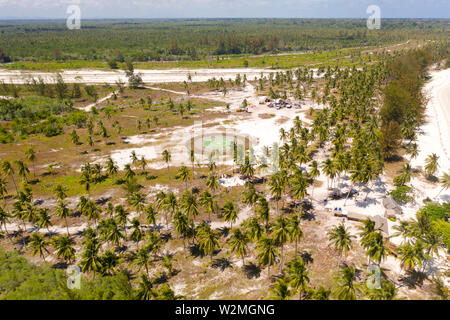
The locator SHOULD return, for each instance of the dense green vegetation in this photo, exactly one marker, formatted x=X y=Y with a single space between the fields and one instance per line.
x=22 y=280
x=195 y=38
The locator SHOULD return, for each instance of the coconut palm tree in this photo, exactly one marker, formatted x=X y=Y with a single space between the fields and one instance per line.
x=143 y=164
x=295 y=232
x=31 y=156
x=3 y=190
x=239 y=243
x=150 y=214
x=145 y=289
x=267 y=252
x=431 y=164
x=38 y=244
x=166 y=158
x=62 y=212
x=262 y=210
x=207 y=200
x=341 y=239
x=208 y=241
x=189 y=204
x=111 y=167
x=184 y=175
x=346 y=288
x=22 y=169
x=412 y=150
x=276 y=188
x=129 y=173
x=170 y=205
x=181 y=225
x=8 y=170
x=142 y=260
x=64 y=248
x=329 y=170
x=376 y=248
x=230 y=213
x=280 y=234
x=4 y=218
x=314 y=172
x=212 y=182
x=44 y=219
x=280 y=290
x=254 y=229
x=444 y=180
x=138 y=202
x=246 y=168
x=410 y=255
x=134 y=158
x=298 y=276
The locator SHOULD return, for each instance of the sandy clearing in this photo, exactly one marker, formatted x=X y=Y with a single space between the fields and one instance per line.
x=148 y=76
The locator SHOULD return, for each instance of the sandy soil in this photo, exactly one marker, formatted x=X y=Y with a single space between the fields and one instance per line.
x=148 y=76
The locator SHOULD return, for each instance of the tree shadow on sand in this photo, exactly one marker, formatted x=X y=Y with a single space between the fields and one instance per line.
x=222 y=263
x=252 y=271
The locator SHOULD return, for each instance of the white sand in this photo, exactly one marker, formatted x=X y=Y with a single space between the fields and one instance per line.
x=148 y=76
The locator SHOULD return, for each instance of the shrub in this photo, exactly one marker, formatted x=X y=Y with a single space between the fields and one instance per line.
x=401 y=194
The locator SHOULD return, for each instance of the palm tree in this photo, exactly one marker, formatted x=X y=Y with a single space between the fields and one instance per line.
x=410 y=255
x=142 y=259
x=22 y=169
x=62 y=212
x=4 y=218
x=238 y=243
x=183 y=175
x=143 y=164
x=166 y=158
x=295 y=232
x=44 y=219
x=445 y=182
x=181 y=225
x=151 y=214
x=280 y=290
x=212 y=182
x=134 y=158
x=345 y=288
x=189 y=204
x=229 y=213
x=314 y=172
x=413 y=151
x=90 y=261
x=170 y=205
x=207 y=200
x=432 y=164
x=137 y=202
x=3 y=190
x=38 y=244
x=376 y=247
x=250 y=196
x=111 y=167
x=31 y=156
x=267 y=252
x=8 y=170
x=276 y=188
x=280 y=235
x=341 y=238
x=255 y=230
x=129 y=173
x=298 y=276
x=330 y=171
x=121 y=216
x=64 y=248
x=208 y=241
x=262 y=210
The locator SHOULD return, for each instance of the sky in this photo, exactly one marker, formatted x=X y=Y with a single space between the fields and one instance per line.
x=93 y=9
